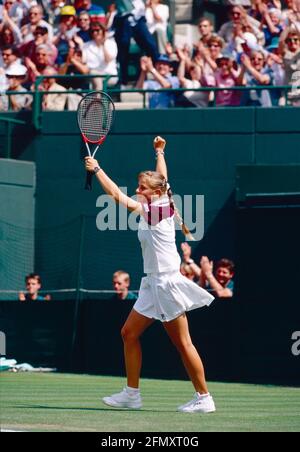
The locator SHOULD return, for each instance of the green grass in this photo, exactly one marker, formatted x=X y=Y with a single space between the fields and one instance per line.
x=58 y=402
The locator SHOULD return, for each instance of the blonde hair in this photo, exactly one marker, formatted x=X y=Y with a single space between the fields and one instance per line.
x=157 y=182
x=122 y=273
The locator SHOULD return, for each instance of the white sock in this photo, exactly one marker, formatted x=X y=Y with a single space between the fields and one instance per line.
x=132 y=391
x=202 y=396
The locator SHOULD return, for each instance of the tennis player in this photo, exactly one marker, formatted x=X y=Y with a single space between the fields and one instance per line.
x=165 y=294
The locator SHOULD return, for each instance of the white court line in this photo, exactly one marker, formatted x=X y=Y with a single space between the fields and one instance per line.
x=11 y=431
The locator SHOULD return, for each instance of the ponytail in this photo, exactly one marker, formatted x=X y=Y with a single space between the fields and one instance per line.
x=178 y=217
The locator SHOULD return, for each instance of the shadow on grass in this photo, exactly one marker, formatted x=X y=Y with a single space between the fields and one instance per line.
x=43 y=407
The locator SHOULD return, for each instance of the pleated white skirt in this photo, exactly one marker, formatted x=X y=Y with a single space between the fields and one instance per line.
x=166 y=296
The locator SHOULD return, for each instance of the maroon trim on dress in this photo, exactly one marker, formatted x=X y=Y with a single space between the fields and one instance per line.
x=155 y=214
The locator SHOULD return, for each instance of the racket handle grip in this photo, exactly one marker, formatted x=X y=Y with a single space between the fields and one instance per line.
x=89 y=181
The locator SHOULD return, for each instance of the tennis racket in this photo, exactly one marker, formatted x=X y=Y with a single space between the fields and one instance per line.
x=95 y=117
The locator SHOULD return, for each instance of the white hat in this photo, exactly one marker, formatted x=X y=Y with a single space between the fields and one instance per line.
x=16 y=69
x=251 y=40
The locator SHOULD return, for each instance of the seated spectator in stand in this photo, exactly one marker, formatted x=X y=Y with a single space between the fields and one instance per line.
x=185 y=270
x=67 y=30
x=100 y=55
x=84 y=25
x=121 y=283
x=53 y=12
x=41 y=36
x=243 y=41
x=239 y=17
x=7 y=21
x=13 y=9
x=275 y=63
x=39 y=62
x=33 y=285
x=255 y=72
x=9 y=37
x=35 y=18
x=75 y=65
x=206 y=58
x=157 y=16
x=131 y=22
x=163 y=79
x=219 y=282
x=189 y=268
x=272 y=28
x=291 y=55
x=291 y=15
x=53 y=102
x=227 y=77
x=9 y=56
x=16 y=75
x=206 y=30
x=96 y=12
x=190 y=98
x=291 y=62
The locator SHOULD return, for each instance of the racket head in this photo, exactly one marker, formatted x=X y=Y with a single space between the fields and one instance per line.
x=95 y=116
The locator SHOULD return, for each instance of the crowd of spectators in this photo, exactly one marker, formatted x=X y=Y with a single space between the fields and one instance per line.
x=259 y=46
x=216 y=277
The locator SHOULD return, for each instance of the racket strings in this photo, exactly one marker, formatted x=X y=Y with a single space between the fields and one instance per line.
x=95 y=116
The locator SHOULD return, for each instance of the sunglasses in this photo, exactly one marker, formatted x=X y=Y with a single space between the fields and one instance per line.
x=33 y=14
x=257 y=59
x=293 y=40
x=15 y=76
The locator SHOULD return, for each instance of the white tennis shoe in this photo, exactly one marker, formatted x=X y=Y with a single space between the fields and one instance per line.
x=199 y=404
x=124 y=400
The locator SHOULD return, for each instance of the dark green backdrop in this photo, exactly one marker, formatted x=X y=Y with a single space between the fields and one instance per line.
x=204 y=148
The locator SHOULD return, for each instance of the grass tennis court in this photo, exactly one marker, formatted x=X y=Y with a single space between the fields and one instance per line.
x=59 y=402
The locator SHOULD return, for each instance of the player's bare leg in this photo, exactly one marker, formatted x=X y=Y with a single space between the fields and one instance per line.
x=130 y=397
x=134 y=327
x=178 y=331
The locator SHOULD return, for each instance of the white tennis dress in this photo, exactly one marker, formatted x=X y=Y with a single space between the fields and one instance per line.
x=165 y=293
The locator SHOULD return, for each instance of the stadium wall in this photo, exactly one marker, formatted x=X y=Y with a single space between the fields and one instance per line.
x=17 y=217
x=238 y=341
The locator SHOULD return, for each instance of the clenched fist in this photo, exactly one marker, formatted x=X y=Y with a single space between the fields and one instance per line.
x=159 y=144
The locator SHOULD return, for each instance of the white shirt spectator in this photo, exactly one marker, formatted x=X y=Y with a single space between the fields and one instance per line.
x=55 y=102
x=94 y=57
x=138 y=9
x=15 y=13
x=198 y=98
x=153 y=24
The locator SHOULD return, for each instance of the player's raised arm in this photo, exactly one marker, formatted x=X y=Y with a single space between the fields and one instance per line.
x=92 y=166
x=159 y=146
